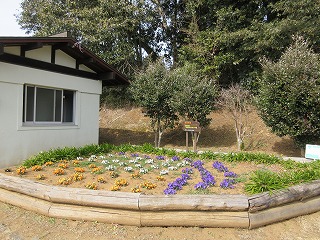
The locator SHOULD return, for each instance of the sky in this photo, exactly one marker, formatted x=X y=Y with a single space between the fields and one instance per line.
x=8 y=23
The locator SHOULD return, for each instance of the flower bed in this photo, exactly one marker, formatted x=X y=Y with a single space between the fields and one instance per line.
x=141 y=173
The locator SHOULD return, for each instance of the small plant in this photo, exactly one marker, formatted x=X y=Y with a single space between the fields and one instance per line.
x=92 y=186
x=227 y=183
x=49 y=163
x=135 y=175
x=36 y=168
x=115 y=188
x=58 y=171
x=79 y=170
x=65 y=181
x=75 y=162
x=114 y=174
x=21 y=170
x=220 y=167
x=263 y=181
x=97 y=170
x=63 y=165
x=148 y=185
x=136 y=190
x=40 y=177
x=121 y=182
x=92 y=165
x=77 y=177
x=101 y=180
x=161 y=178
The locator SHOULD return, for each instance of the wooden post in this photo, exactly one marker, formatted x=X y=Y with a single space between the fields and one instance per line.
x=187 y=141
x=195 y=141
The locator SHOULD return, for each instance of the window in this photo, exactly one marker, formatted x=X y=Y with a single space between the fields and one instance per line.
x=48 y=105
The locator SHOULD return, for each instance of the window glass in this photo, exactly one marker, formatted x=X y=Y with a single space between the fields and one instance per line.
x=58 y=105
x=44 y=105
x=48 y=105
x=29 y=104
x=68 y=106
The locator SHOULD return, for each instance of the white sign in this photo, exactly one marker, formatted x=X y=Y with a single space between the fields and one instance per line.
x=312 y=151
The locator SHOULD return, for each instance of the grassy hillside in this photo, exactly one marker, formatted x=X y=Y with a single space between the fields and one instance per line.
x=128 y=125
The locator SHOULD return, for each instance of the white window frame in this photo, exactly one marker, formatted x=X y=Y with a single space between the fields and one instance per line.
x=47 y=123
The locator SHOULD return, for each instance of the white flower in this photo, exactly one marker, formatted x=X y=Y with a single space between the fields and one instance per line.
x=138 y=165
x=92 y=158
x=111 y=168
x=165 y=164
x=105 y=162
x=164 y=172
x=128 y=169
x=172 y=168
x=102 y=157
x=149 y=161
x=79 y=158
x=154 y=166
x=143 y=170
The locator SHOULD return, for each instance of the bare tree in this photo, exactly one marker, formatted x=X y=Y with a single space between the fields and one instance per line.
x=237 y=104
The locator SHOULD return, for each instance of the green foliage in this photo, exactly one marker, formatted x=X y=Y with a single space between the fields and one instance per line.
x=118 y=31
x=66 y=153
x=225 y=39
x=194 y=94
x=164 y=94
x=250 y=157
x=153 y=90
x=116 y=97
x=289 y=95
x=264 y=181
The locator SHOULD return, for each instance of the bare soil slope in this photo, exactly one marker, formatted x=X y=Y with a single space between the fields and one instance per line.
x=131 y=126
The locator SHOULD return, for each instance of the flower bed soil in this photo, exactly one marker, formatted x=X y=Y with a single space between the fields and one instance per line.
x=125 y=173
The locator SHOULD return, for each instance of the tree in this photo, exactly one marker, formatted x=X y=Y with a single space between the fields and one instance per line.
x=227 y=38
x=237 y=102
x=165 y=94
x=194 y=96
x=153 y=90
x=119 y=31
x=289 y=95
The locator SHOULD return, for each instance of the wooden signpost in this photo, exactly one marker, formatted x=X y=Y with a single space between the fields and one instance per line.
x=195 y=129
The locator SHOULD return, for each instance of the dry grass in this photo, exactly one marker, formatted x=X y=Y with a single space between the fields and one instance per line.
x=119 y=126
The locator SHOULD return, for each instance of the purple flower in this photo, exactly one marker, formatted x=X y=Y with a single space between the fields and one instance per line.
x=230 y=174
x=227 y=183
x=160 y=157
x=185 y=176
x=147 y=157
x=177 y=184
x=169 y=191
x=134 y=155
x=121 y=153
x=220 y=167
x=197 y=164
x=200 y=185
x=175 y=158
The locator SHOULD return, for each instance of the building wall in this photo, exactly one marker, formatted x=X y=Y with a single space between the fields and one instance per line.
x=17 y=141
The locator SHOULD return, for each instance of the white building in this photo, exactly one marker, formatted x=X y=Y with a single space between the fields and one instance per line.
x=49 y=95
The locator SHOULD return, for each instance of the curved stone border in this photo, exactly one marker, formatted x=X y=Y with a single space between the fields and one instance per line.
x=237 y=211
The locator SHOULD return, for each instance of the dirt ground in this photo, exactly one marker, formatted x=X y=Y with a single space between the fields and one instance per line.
x=129 y=125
